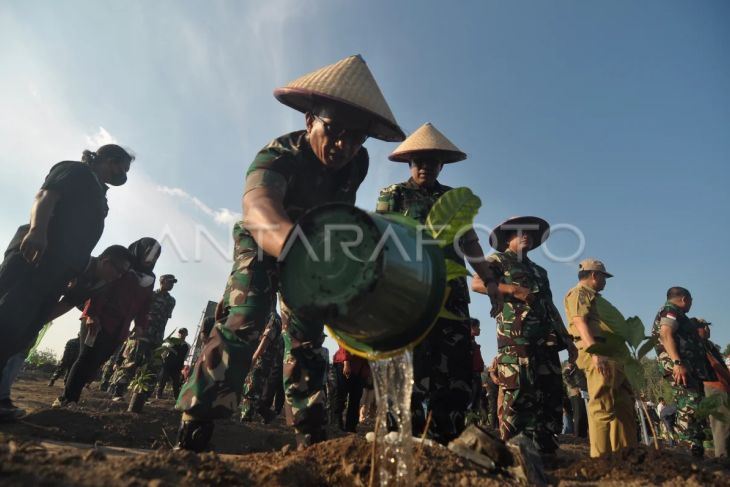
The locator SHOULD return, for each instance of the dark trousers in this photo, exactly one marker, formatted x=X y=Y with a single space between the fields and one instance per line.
x=27 y=295
x=475 y=402
x=273 y=393
x=580 y=417
x=88 y=363
x=492 y=396
x=348 y=391
x=171 y=372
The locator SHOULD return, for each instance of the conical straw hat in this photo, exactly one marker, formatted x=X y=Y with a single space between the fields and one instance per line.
x=348 y=82
x=427 y=141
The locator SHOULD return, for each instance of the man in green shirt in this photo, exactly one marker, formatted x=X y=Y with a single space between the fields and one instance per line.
x=530 y=333
x=442 y=361
x=324 y=163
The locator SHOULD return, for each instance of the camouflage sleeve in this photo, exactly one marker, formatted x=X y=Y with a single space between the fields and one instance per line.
x=266 y=178
x=668 y=318
x=268 y=170
x=387 y=200
x=494 y=261
x=172 y=307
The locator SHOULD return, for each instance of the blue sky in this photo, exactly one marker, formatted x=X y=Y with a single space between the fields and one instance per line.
x=611 y=117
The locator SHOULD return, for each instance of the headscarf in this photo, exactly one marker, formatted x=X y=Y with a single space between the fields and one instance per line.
x=146 y=251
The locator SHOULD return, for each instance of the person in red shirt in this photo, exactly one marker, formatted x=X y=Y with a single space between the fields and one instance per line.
x=351 y=374
x=107 y=316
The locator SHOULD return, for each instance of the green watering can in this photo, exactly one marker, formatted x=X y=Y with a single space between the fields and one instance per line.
x=378 y=284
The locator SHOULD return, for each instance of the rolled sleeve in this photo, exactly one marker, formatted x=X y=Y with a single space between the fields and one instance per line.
x=268 y=179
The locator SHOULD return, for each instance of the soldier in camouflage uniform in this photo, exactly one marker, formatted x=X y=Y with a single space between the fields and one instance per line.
x=530 y=333
x=263 y=361
x=683 y=358
x=294 y=173
x=442 y=361
x=138 y=350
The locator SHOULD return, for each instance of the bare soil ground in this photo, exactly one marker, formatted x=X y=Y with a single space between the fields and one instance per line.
x=56 y=447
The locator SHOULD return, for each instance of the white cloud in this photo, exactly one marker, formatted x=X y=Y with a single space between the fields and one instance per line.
x=222 y=216
x=102 y=137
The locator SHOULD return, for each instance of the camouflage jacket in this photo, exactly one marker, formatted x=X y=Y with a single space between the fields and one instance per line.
x=521 y=325
x=690 y=345
x=414 y=201
x=160 y=311
x=288 y=167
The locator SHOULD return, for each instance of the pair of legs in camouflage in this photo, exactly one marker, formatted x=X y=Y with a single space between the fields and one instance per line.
x=136 y=353
x=533 y=396
x=256 y=379
x=216 y=382
x=690 y=429
x=442 y=378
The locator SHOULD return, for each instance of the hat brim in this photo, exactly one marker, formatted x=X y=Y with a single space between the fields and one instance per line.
x=444 y=156
x=304 y=101
x=498 y=238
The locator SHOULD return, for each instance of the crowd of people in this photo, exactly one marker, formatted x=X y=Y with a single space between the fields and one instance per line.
x=259 y=361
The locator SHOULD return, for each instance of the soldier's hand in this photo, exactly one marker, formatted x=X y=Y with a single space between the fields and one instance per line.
x=522 y=293
x=601 y=364
x=679 y=372
x=496 y=299
x=572 y=353
x=34 y=246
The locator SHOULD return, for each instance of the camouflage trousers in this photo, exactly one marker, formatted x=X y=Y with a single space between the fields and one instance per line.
x=216 y=382
x=110 y=366
x=136 y=354
x=690 y=428
x=442 y=379
x=256 y=379
x=305 y=376
x=533 y=397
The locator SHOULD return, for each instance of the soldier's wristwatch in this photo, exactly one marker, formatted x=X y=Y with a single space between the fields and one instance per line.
x=678 y=362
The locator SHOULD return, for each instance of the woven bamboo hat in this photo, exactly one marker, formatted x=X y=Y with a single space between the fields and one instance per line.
x=348 y=85
x=539 y=228
x=427 y=141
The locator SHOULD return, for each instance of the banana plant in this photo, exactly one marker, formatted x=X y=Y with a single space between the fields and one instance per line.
x=625 y=342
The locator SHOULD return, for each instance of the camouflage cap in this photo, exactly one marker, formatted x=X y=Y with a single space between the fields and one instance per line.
x=166 y=277
x=593 y=265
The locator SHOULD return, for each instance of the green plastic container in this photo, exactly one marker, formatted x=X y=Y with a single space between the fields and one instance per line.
x=364 y=276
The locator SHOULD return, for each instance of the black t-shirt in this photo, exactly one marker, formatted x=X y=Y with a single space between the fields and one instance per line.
x=78 y=218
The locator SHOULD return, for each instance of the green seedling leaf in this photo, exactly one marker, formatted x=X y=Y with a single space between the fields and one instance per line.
x=402 y=219
x=604 y=349
x=454 y=270
x=612 y=321
x=646 y=347
x=635 y=331
x=713 y=405
x=451 y=214
x=634 y=372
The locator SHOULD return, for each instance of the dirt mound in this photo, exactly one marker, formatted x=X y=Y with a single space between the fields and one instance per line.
x=651 y=466
x=257 y=454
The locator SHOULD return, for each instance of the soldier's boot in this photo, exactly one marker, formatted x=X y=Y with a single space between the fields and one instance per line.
x=309 y=426
x=267 y=414
x=51 y=382
x=194 y=435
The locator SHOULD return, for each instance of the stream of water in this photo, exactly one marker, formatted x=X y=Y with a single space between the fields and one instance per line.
x=393 y=382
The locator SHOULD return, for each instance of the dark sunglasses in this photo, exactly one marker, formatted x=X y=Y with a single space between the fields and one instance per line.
x=356 y=137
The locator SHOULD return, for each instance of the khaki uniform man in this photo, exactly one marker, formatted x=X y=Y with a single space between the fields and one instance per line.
x=611 y=417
